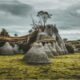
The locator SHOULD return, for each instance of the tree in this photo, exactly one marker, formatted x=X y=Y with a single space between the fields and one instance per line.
x=70 y=48
x=65 y=39
x=15 y=34
x=4 y=32
x=30 y=31
x=43 y=16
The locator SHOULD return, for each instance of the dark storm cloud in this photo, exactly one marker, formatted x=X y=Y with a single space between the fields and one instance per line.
x=68 y=18
x=15 y=8
x=13 y=12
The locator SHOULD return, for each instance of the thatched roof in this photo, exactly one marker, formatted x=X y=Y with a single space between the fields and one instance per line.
x=6 y=49
x=48 y=50
x=59 y=49
x=16 y=48
x=53 y=49
x=36 y=55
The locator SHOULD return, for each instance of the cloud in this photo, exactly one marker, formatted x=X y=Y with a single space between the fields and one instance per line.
x=68 y=34
x=68 y=21
x=15 y=7
x=20 y=30
x=68 y=18
x=50 y=4
x=13 y=12
x=15 y=15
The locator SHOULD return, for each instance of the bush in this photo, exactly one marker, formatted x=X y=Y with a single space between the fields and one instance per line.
x=4 y=33
x=70 y=48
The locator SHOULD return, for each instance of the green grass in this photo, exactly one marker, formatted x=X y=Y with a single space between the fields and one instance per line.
x=66 y=67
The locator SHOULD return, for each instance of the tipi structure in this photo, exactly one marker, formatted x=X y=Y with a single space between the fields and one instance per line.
x=6 y=49
x=36 y=55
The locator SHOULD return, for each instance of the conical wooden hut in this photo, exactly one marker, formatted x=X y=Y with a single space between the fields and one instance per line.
x=53 y=49
x=48 y=50
x=6 y=49
x=54 y=33
x=44 y=38
x=36 y=55
x=61 y=44
x=58 y=48
x=16 y=48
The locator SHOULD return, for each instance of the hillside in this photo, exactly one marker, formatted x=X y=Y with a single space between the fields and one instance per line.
x=65 y=67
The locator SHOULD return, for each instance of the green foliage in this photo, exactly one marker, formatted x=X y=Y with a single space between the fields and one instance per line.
x=4 y=32
x=65 y=67
x=77 y=46
x=44 y=16
x=70 y=48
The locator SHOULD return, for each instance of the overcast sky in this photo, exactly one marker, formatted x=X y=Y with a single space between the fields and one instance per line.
x=15 y=15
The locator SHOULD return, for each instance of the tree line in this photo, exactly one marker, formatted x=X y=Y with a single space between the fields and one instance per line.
x=5 y=33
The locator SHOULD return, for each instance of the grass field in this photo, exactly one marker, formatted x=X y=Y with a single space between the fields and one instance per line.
x=66 y=67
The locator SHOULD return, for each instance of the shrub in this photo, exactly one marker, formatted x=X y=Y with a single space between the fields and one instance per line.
x=70 y=48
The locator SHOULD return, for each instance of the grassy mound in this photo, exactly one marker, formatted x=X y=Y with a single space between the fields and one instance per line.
x=66 y=67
